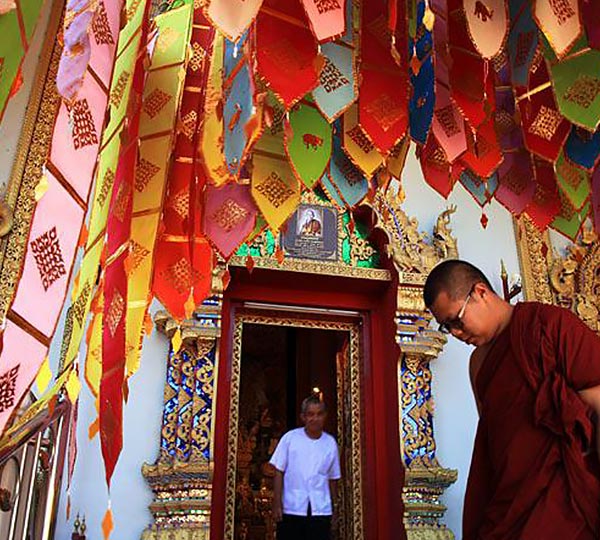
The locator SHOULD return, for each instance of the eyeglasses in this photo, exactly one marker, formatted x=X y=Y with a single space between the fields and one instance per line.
x=456 y=323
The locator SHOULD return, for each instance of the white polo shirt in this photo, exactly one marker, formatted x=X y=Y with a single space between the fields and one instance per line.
x=307 y=466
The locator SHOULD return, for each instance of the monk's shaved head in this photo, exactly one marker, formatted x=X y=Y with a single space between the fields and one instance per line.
x=455 y=278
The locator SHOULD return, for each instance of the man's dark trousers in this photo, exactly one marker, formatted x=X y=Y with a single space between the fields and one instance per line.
x=304 y=528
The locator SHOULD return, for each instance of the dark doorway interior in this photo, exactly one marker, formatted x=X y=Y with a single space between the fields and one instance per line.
x=281 y=365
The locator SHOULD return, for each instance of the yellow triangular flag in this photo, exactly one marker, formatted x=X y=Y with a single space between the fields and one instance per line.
x=189 y=306
x=44 y=376
x=176 y=341
x=41 y=188
x=73 y=386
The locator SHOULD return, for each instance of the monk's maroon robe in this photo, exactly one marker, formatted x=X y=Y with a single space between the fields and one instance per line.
x=535 y=473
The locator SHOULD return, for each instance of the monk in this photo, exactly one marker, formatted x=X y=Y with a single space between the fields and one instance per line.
x=535 y=372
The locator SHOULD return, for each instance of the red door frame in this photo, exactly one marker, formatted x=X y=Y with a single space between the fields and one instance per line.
x=383 y=473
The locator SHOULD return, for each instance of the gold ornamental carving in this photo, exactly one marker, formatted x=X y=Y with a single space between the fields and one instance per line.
x=181 y=477
x=571 y=280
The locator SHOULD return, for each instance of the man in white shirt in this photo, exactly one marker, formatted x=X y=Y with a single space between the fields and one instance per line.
x=307 y=467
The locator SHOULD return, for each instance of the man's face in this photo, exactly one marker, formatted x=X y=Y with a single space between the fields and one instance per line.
x=314 y=417
x=467 y=319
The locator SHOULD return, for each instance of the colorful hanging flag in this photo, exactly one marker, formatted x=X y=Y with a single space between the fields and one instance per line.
x=286 y=51
x=358 y=146
x=436 y=167
x=58 y=218
x=229 y=216
x=560 y=22
x=508 y=129
x=344 y=175
x=232 y=17
x=448 y=124
x=487 y=23
x=212 y=129
x=422 y=99
x=483 y=155
x=481 y=189
x=127 y=44
x=590 y=16
x=183 y=260
x=516 y=184
x=16 y=28
x=545 y=205
x=576 y=83
x=522 y=41
x=155 y=145
x=308 y=142
x=275 y=188
x=544 y=128
x=471 y=80
x=383 y=98
x=331 y=191
x=569 y=221
x=397 y=158
x=337 y=88
x=77 y=47
x=116 y=298
x=326 y=17
x=572 y=181
x=238 y=108
x=583 y=148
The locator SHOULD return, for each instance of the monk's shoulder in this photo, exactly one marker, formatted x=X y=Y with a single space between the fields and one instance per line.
x=476 y=359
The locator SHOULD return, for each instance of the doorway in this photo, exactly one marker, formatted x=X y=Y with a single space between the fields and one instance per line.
x=278 y=360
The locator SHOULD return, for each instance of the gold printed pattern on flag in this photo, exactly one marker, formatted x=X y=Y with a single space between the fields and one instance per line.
x=567 y=210
x=116 y=96
x=447 y=119
x=504 y=122
x=48 y=257
x=138 y=253
x=325 y=6
x=115 y=312
x=130 y=13
x=275 y=190
x=167 y=37
x=121 y=201
x=79 y=306
x=155 y=101
x=179 y=275
x=83 y=131
x=229 y=215
x=569 y=174
x=331 y=78
x=583 y=91
x=348 y=170
x=546 y=123
x=189 y=123
x=8 y=386
x=360 y=139
x=562 y=9
x=198 y=57
x=101 y=27
x=385 y=111
x=144 y=172
x=181 y=204
x=514 y=180
x=107 y=183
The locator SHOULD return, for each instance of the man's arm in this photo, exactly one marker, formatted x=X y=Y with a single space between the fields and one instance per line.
x=591 y=396
x=277 y=496
x=333 y=491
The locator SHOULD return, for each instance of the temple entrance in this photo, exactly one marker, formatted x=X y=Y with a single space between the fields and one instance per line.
x=282 y=358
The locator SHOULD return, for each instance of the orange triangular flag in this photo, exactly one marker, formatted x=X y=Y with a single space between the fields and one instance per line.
x=107 y=523
x=93 y=429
